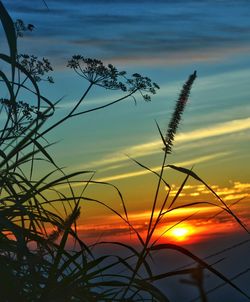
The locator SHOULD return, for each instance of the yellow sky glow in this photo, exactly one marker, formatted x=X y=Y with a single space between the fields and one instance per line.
x=158 y=168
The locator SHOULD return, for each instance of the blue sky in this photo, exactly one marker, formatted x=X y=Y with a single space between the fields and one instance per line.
x=166 y=41
x=128 y=30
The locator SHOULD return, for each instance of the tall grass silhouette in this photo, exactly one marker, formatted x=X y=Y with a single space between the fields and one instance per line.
x=35 y=262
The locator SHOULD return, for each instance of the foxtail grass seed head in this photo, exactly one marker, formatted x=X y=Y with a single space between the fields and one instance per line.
x=176 y=116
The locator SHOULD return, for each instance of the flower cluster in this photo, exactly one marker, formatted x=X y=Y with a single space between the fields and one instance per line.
x=109 y=77
x=96 y=72
x=20 y=113
x=143 y=84
x=37 y=68
x=21 y=27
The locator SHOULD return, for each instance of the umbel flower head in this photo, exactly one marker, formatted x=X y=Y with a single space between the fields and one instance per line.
x=96 y=72
x=176 y=116
x=20 y=114
x=37 y=68
x=109 y=77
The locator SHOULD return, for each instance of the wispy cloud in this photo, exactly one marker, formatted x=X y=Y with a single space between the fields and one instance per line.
x=177 y=57
x=158 y=168
x=127 y=32
x=216 y=130
x=168 y=91
x=155 y=146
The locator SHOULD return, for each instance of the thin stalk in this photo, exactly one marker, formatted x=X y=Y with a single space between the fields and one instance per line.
x=149 y=234
x=106 y=105
x=168 y=142
x=144 y=251
x=72 y=114
x=68 y=115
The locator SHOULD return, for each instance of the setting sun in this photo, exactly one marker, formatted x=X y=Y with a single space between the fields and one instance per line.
x=181 y=233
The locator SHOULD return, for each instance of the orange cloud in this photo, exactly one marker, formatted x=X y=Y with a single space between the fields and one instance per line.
x=235 y=191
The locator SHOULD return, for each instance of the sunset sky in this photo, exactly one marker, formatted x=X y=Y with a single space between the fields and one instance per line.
x=166 y=41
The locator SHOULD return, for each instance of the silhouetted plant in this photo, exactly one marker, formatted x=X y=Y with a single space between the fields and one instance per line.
x=36 y=68
x=108 y=77
x=35 y=263
x=35 y=260
x=176 y=116
x=20 y=115
x=21 y=27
